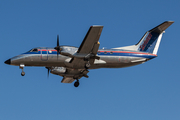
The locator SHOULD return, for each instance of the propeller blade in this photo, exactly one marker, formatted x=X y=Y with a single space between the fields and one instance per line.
x=48 y=72
x=58 y=48
x=58 y=40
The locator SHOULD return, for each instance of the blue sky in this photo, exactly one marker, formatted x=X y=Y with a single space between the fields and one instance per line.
x=145 y=92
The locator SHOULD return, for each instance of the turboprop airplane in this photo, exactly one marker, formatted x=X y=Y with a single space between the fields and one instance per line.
x=72 y=63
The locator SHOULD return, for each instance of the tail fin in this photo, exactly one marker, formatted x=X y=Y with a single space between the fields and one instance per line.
x=151 y=40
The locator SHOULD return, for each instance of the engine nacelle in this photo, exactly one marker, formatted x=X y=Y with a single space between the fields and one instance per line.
x=58 y=70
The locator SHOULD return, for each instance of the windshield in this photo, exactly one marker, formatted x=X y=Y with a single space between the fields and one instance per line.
x=33 y=50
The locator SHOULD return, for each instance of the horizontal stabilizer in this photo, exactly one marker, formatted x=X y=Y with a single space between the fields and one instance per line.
x=162 y=27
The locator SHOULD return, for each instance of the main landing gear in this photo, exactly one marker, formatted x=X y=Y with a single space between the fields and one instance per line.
x=76 y=84
x=22 y=73
x=21 y=66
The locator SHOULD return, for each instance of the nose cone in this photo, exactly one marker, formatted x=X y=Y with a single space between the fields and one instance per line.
x=8 y=61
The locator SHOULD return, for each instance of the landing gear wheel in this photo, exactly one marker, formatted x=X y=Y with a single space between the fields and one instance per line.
x=22 y=73
x=76 y=84
x=87 y=65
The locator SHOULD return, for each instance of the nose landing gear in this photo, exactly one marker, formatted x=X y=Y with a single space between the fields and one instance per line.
x=21 y=66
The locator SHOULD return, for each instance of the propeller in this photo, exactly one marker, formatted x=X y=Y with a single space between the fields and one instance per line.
x=58 y=48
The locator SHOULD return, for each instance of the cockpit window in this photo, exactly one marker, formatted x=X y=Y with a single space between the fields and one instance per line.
x=34 y=50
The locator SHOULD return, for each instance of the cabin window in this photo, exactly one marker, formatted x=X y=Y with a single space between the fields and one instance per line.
x=105 y=52
x=111 y=52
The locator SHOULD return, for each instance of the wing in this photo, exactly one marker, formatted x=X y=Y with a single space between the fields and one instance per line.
x=68 y=74
x=72 y=74
x=88 y=48
x=91 y=40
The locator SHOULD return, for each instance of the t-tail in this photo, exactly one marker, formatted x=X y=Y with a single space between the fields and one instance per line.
x=151 y=40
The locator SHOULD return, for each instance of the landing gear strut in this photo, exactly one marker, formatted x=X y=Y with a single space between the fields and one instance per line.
x=76 y=84
x=22 y=67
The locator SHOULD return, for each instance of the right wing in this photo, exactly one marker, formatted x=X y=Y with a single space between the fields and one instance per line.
x=90 y=40
x=88 y=47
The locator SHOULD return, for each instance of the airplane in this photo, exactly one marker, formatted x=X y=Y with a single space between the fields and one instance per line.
x=73 y=63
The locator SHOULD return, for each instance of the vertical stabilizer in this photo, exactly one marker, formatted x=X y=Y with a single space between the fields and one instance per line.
x=157 y=44
x=151 y=40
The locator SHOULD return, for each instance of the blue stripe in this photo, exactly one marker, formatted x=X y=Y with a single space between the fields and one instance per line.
x=127 y=54
x=103 y=54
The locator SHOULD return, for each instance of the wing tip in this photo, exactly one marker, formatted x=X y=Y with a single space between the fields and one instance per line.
x=170 y=21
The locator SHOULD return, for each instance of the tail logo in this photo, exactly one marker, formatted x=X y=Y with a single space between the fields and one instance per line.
x=142 y=47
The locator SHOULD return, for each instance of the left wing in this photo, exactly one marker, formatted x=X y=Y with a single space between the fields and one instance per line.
x=72 y=74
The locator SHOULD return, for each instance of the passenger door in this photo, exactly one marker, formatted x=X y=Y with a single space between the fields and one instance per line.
x=44 y=54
